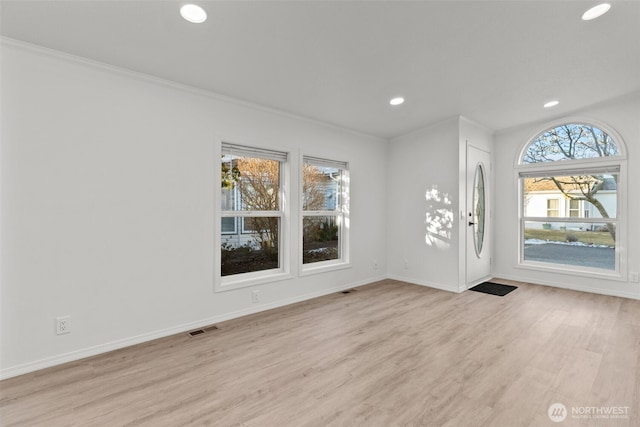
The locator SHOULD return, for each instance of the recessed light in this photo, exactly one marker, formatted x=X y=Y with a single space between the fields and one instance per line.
x=193 y=13
x=596 y=11
x=397 y=101
x=551 y=104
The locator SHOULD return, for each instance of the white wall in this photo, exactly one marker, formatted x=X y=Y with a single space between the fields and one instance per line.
x=622 y=116
x=423 y=201
x=108 y=194
x=427 y=191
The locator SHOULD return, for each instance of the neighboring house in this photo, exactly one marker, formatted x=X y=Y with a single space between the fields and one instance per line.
x=330 y=187
x=236 y=232
x=544 y=199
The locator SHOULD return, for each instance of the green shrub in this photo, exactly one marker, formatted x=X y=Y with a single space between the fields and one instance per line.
x=328 y=231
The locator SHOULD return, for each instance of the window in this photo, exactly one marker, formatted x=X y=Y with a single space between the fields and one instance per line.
x=251 y=211
x=574 y=208
x=229 y=225
x=570 y=179
x=570 y=142
x=324 y=212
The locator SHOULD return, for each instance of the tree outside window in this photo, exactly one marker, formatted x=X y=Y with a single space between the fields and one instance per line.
x=323 y=209
x=252 y=214
x=570 y=181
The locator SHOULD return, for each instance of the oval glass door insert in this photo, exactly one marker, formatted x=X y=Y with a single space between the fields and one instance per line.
x=478 y=208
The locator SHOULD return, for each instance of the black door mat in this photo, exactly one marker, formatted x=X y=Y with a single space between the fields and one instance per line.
x=493 y=288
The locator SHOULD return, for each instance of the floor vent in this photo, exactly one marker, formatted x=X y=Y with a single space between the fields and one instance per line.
x=203 y=330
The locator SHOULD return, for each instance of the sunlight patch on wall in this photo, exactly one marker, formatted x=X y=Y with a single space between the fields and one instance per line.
x=438 y=218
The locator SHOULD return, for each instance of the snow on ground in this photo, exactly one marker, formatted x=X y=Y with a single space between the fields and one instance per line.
x=551 y=242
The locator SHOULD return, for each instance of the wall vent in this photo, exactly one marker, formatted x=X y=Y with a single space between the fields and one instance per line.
x=203 y=330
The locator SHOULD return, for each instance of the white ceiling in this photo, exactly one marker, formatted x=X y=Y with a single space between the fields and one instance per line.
x=495 y=62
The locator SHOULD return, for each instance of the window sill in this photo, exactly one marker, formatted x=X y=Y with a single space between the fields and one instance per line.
x=323 y=267
x=572 y=270
x=229 y=283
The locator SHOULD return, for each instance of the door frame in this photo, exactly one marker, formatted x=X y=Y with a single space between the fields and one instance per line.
x=468 y=208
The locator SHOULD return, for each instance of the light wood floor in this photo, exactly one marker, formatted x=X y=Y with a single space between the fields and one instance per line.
x=387 y=354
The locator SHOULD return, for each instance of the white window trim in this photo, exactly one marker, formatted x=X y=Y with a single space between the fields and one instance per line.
x=231 y=233
x=557 y=209
x=575 y=166
x=579 y=209
x=235 y=222
x=243 y=280
x=573 y=120
x=620 y=271
x=343 y=214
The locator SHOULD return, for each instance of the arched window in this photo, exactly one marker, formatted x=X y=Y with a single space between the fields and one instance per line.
x=570 y=199
x=573 y=141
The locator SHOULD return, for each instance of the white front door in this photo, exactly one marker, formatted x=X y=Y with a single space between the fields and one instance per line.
x=477 y=221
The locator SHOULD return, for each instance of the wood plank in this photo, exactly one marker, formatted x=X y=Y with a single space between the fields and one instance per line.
x=389 y=353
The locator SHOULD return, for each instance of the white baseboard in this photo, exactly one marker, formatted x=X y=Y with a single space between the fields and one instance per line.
x=601 y=291
x=427 y=284
x=48 y=362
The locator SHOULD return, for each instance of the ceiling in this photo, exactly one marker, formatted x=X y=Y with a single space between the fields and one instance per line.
x=496 y=62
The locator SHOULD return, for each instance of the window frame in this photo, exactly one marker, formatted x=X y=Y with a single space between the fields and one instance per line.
x=235 y=222
x=283 y=272
x=577 y=166
x=579 y=210
x=341 y=213
x=556 y=209
x=230 y=233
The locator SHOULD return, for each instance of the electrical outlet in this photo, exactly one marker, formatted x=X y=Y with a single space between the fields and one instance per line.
x=375 y=264
x=634 y=277
x=255 y=296
x=63 y=325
